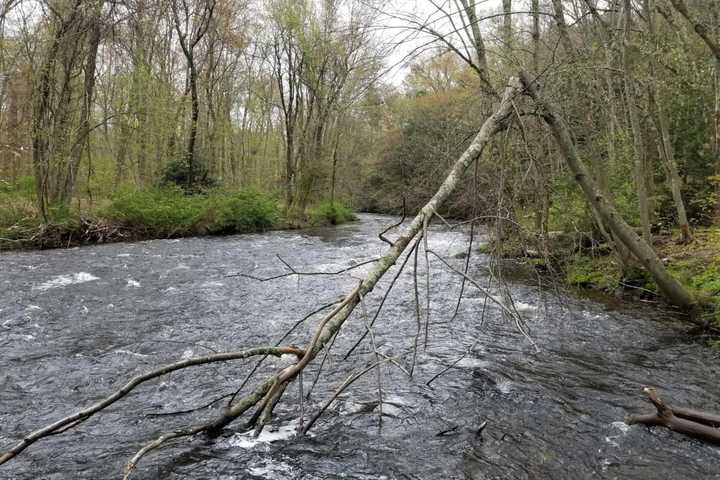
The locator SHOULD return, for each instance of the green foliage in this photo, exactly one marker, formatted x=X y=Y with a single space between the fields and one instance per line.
x=164 y=212
x=332 y=213
x=17 y=208
x=23 y=187
x=177 y=174
x=431 y=132
x=708 y=281
x=245 y=211
x=594 y=272
x=170 y=212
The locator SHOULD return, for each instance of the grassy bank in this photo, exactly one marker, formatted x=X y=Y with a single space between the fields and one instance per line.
x=576 y=261
x=154 y=213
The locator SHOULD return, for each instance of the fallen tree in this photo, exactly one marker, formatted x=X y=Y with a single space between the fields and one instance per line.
x=268 y=393
x=687 y=421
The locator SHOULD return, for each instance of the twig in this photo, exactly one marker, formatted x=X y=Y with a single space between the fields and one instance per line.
x=472 y=347
x=426 y=224
x=381 y=236
x=157 y=443
x=384 y=298
x=417 y=307
x=191 y=410
x=293 y=271
x=302 y=402
x=503 y=307
x=348 y=381
x=322 y=365
x=377 y=360
x=468 y=254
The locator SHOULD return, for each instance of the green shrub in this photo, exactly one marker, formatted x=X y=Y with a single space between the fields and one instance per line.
x=596 y=272
x=164 y=212
x=176 y=174
x=22 y=187
x=17 y=207
x=245 y=211
x=708 y=281
x=169 y=212
x=332 y=213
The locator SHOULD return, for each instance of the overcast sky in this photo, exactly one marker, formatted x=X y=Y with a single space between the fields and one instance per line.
x=408 y=44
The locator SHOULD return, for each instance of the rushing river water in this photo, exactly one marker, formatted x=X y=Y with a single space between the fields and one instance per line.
x=76 y=323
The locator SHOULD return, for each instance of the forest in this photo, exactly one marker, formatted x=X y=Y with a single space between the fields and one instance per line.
x=582 y=136
x=153 y=119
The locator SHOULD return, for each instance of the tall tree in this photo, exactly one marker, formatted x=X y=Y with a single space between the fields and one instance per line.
x=192 y=21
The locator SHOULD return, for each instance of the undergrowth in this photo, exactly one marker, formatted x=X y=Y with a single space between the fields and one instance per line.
x=161 y=212
x=327 y=212
x=170 y=212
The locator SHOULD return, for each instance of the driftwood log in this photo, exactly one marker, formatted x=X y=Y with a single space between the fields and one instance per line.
x=701 y=425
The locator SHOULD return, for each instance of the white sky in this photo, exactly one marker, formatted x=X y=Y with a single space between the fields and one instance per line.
x=408 y=42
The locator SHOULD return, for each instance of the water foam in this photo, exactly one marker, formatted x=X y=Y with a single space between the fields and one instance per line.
x=65 y=280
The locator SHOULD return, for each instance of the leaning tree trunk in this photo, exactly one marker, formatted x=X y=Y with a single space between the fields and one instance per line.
x=496 y=123
x=624 y=233
x=269 y=391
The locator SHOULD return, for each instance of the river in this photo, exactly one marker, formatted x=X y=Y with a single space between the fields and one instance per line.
x=76 y=323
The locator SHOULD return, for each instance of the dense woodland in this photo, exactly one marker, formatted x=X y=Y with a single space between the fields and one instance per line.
x=205 y=116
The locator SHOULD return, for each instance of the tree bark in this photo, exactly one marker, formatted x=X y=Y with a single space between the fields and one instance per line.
x=80 y=142
x=635 y=126
x=536 y=35
x=559 y=15
x=661 y=125
x=507 y=24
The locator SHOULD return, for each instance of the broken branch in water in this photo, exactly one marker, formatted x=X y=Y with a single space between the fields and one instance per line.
x=84 y=414
x=690 y=422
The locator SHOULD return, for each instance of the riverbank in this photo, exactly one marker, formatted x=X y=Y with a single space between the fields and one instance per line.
x=576 y=261
x=133 y=215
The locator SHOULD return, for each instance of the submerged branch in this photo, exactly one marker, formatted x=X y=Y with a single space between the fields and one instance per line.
x=682 y=420
x=88 y=412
